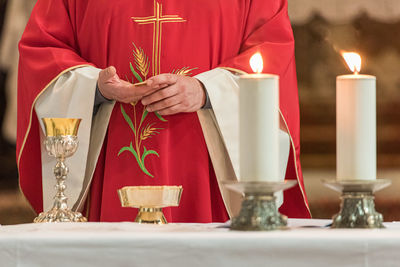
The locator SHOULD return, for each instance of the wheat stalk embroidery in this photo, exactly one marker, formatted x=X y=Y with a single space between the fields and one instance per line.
x=143 y=131
x=183 y=71
x=141 y=61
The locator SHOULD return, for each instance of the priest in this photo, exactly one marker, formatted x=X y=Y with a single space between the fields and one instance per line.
x=82 y=59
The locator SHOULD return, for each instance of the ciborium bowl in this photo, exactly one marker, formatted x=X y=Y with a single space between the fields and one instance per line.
x=150 y=200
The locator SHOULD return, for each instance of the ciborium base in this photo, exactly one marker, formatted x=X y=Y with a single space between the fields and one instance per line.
x=151 y=216
x=259 y=211
x=357 y=208
x=150 y=200
x=58 y=215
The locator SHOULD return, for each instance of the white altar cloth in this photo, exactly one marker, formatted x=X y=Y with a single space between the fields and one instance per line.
x=130 y=244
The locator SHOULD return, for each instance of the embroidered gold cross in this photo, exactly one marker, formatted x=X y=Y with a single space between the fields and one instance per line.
x=157 y=20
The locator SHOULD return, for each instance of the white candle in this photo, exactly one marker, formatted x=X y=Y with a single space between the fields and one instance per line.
x=356 y=126
x=259 y=127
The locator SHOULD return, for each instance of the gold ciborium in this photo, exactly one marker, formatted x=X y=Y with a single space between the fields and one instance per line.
x=61 y=142
x=150 y=200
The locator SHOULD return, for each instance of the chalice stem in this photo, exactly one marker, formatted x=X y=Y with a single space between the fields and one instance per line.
x=61 y=172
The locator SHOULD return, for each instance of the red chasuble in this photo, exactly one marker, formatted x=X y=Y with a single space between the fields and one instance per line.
x=142 y=38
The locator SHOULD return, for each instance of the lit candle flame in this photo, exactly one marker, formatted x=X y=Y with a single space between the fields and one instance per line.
x=256 y=63
x=353 y=60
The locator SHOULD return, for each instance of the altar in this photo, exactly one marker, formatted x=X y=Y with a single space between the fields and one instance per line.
x=306 y=243
x=246 y=122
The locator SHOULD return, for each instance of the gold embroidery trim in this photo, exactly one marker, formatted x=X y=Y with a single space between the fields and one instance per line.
x=233 y=70
x=295 y=160
x=157 y=20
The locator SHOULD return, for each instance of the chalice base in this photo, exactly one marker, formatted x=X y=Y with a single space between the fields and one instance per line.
x=59 y=215
x=357 y=208
x=259 y=211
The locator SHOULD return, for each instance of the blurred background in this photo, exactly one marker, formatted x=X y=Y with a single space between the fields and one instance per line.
x=321 y=29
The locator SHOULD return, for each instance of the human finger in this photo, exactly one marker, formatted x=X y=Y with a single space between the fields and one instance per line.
x=125 y=92
x=159 y=95
x=165 y=78
x=106 y=80
x=171 y=110
x=107 y=73
x=145 y=90
x=164 y=104
x=128 y=92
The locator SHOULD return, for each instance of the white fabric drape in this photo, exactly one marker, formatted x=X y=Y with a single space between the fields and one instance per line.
x=70 y=96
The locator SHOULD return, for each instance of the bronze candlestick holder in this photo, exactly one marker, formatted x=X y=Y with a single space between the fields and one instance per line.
x=259 y=211
x=357 y=208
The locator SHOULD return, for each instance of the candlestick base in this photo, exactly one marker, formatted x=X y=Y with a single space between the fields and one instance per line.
x=259 y=211
x=357 y=209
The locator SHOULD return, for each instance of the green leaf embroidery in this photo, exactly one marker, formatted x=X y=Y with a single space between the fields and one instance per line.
x=141 y=164
x=160 y=117
x=145 y=154
x=143 y=168
x=141 y=132
x=144 y=115
x=135 y=73
x=127 y=148
x=128 y=119
x=148 y=152
x=130 y=149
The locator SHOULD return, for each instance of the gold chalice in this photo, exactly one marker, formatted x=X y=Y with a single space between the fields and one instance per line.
x=61 y=142
x=150 y=200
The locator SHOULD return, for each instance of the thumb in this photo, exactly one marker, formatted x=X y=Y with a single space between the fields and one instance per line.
x=108 y=73
x=111 y=71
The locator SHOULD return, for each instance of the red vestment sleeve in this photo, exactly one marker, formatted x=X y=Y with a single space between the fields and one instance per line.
x=48 y=48
x=269 y=32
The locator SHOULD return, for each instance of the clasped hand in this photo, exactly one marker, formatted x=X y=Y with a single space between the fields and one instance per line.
x=166 y=94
